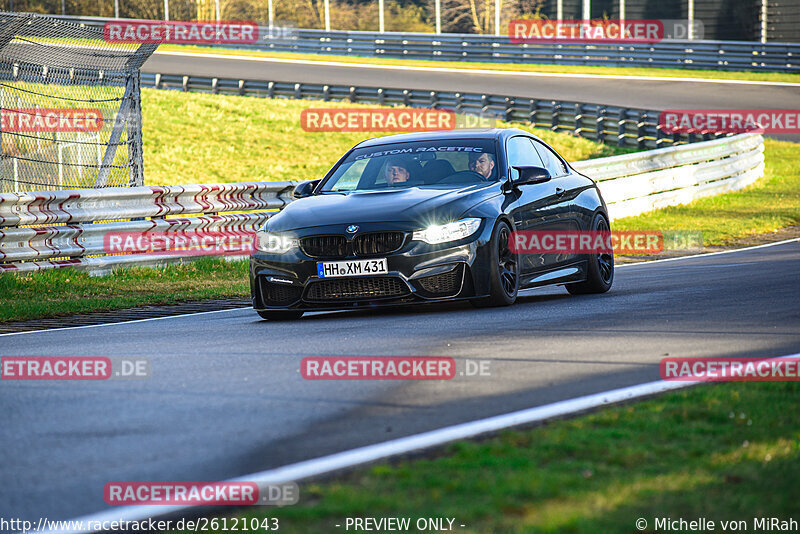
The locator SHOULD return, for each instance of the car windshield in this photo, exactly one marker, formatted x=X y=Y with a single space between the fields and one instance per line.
x=451 y=163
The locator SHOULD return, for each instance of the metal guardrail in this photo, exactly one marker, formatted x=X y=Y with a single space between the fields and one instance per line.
x=709 y=55
x=55 y=229
x=636 y=183
x=625 y=127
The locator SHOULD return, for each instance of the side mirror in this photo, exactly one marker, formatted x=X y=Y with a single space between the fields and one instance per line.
x=305 y=189
x=531 y=175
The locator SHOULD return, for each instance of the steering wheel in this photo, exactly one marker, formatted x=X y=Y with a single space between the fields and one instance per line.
x=464 y=176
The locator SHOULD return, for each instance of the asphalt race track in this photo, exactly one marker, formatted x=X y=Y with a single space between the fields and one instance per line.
x=226 y=398
x=638 y=93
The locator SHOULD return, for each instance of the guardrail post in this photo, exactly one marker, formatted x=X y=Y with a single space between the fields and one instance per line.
x=381 y=97
x=406 y=98
x=158 y=81
x=271 y=89
x=509 y=112
x=533 y=110
x=434 y=100
x=659 y=136
x=353 y=96
x=641 y=130
x=600 y=126
x=578 y=120
x=326 y=93
x=459 y=102
x=484 y=103
x=214 y=86
x=241 y=87
x=185 y=84
x=621 y=126
x=298 y=93
x=555 y=115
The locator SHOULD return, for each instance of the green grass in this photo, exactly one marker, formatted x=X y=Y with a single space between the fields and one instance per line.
x=204 y=138
x=516 y=67
x=66 y=291
x=773 y=202
x=724 y=452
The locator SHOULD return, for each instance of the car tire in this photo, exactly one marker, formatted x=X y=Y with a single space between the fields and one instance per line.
x=600 y=268
x=503 y=270
x=280 y=315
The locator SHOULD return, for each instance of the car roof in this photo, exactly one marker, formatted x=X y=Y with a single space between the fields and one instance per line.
x=460 y=133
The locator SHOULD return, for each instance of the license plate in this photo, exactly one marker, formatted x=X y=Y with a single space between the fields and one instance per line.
x=331 y=269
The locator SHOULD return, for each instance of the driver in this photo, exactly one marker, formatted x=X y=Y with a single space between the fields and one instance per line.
x=482 y=163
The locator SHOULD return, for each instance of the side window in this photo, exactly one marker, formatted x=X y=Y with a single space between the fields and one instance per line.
x=521 y=153
x=551 y=161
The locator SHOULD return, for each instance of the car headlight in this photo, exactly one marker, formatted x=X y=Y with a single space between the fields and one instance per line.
x=448 y=232
x=275 y=243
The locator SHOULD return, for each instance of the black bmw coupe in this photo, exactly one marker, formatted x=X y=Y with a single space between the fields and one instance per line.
x=428 y=217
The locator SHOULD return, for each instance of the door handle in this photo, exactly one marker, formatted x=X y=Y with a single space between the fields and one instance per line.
x=560 y=191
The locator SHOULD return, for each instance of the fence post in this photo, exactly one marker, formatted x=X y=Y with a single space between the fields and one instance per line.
x=135 y=142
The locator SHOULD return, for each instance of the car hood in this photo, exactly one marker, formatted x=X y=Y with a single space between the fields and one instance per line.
x=417 y=205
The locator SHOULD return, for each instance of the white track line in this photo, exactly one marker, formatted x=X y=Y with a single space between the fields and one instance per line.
x=468 y=70
x=707 y=254
x=646 y=262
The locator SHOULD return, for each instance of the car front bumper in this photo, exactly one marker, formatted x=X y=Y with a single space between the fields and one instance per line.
x=417 y=273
